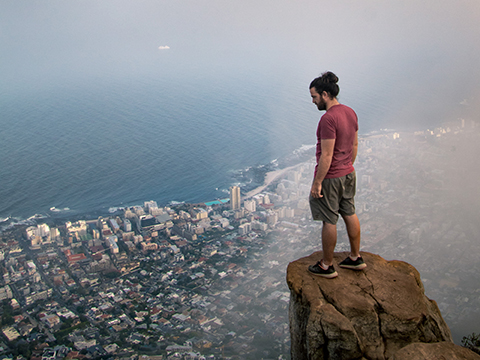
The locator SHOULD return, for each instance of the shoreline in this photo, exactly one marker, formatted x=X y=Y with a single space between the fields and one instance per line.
x=270 y=177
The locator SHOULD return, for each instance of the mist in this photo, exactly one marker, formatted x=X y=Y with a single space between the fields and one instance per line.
x=415 y=62
x=408 y=66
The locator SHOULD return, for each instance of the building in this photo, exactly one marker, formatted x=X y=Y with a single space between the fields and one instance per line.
x=114 y=225
x=250 y=205
x=224 y=222
x=149 y=246
x=38 y=234
x=198 y=213
x=77 y=229
x=127 y=225
x=257 y=225
x=112 y=244
x=10 y=333
x=76 y=258
x=289 y=213
x=6 y=293
x=150 y=205
x=245 y=228
x=235 y=198
x=272 y=218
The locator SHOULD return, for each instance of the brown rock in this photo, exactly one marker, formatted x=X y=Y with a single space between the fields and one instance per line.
x=436 y=351
x=368 y=314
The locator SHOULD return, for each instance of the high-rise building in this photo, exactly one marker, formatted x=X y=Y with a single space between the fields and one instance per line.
x=234 y=198
x=250 y=205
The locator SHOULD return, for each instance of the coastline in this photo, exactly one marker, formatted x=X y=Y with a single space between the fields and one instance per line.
x=270 y=177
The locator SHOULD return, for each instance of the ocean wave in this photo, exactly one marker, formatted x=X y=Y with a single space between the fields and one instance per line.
x=303 y=149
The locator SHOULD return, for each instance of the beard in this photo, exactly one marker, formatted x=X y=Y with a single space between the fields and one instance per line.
x=321 y=106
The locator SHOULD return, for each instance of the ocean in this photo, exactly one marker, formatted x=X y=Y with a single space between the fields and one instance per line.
x=91 y=145
x=116 y=103
x=108 y=140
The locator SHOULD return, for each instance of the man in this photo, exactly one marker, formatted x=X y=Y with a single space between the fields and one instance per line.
x=333 y=188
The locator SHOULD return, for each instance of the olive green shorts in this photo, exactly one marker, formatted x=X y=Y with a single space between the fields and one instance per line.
x=338 y=198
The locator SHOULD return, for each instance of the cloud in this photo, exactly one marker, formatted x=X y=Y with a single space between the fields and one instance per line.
x=164 y=47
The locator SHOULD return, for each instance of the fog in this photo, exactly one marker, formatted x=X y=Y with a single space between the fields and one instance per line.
x=406 y=65
x=414 y=62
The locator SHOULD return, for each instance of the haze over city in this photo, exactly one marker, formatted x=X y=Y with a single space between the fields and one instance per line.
x=114 y=103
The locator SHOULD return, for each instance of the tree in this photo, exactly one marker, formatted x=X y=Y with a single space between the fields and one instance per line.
x=7 y=316
x=472 y=342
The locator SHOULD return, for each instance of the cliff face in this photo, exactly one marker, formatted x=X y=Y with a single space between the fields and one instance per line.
x=368 y=314
x=435 y=351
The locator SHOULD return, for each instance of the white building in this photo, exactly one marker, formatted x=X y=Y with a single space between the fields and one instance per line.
x=127 y=225
x=114 y=225
x=39 y=234
x=78 y=229
x=272 y=218
x=245 y=228
x=199 y=213
x=257 y=225
x=150 y=205
x=250 y=205
x=224 y=222
x=289 y=213
x=112 y=244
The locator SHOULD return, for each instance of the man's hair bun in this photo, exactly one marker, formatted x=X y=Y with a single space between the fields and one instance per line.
x=329 y=77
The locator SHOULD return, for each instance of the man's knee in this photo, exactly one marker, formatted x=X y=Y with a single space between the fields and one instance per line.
x=329 y=229
x=352 y=223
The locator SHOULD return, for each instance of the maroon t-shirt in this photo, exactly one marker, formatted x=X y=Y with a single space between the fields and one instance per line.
x=340 y=123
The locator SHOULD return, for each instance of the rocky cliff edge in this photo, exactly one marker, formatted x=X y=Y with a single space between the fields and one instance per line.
x=369 y=314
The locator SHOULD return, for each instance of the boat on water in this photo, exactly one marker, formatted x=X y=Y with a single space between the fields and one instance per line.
x=54 y=209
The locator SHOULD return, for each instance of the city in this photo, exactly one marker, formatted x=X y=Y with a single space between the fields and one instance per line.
x=207 y=281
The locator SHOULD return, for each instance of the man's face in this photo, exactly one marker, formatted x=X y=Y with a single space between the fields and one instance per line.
x=318 y=100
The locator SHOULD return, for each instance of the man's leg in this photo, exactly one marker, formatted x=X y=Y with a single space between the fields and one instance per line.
x=353 y=230
x=329 y=240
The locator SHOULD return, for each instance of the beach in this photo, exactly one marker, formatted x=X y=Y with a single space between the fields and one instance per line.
x=270 y=177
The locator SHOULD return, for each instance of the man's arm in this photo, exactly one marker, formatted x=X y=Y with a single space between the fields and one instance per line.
x=323 y=165
x=355 y=147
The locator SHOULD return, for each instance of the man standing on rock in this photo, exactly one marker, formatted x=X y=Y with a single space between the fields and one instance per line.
x=333 y=188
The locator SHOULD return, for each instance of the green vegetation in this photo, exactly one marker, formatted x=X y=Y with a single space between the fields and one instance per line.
x=86 y=237
x=7 y=313
x=112 y=274
x=472 y=342
x=64 y=331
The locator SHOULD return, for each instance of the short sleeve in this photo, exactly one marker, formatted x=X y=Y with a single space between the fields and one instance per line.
x=328 y=128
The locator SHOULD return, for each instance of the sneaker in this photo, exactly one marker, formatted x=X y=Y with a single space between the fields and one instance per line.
x=318 y=270
x=348 y=263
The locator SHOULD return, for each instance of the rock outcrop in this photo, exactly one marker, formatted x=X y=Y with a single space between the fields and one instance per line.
x=435 y=351
x=369 y=314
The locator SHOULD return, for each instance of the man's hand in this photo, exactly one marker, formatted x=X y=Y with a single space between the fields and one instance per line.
x=324 y=163
x=316 y=190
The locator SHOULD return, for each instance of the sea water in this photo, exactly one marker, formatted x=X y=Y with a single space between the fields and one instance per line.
x=118 y=142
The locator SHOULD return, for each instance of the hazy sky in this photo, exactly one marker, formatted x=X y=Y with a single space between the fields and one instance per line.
x=415 y=59
x=402 y=63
